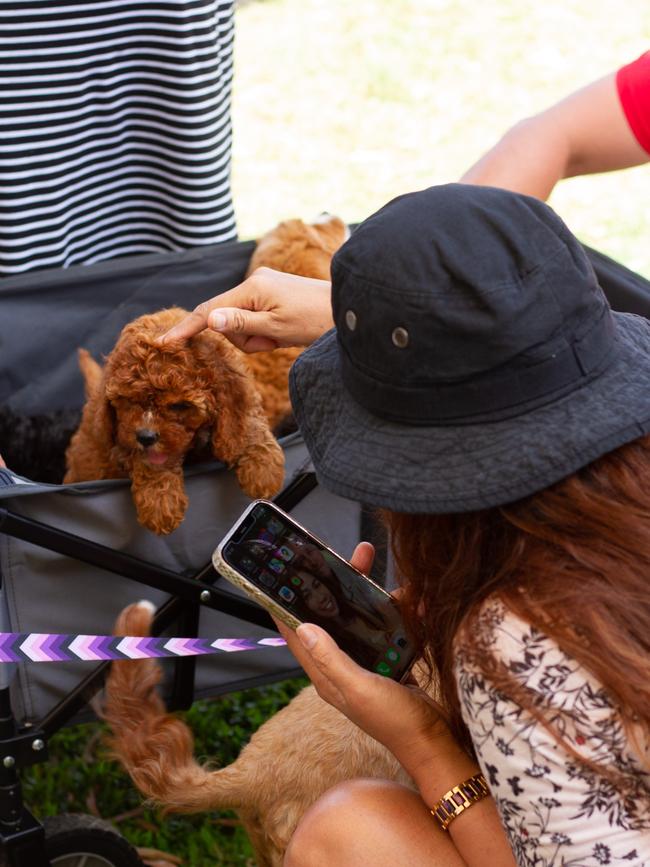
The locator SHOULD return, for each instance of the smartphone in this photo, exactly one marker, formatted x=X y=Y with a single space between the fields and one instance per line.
x=299 y=579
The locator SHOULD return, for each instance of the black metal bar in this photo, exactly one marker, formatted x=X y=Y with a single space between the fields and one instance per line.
x=297 y=490
x=24 y=845
x=11 y=802
x=184 y=588
x=22 y=839
x=62 y=542
x=7 y=721
x=184 y=669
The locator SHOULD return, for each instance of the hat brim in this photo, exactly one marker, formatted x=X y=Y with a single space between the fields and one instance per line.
x=444 y=469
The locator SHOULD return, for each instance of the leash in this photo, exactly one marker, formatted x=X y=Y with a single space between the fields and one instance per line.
x=53 y=647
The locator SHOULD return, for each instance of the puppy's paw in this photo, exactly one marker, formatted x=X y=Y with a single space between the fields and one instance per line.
x=261 y=473
x=160 y=511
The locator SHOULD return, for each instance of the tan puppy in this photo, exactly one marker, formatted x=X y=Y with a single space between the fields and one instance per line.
x=296 y=756
x=293 y=247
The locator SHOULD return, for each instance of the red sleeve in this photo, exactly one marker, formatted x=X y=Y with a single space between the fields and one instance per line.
x=633 y=82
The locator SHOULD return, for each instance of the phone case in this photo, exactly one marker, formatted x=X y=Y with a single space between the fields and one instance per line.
x=253 y=592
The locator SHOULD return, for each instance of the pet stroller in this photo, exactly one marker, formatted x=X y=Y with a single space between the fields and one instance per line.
x=72 y=556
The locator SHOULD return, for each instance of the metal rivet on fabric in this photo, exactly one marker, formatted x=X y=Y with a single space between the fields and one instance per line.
x=351 y=319
x=400 y=337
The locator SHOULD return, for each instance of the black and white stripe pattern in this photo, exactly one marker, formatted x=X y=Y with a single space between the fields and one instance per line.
x=115 y=129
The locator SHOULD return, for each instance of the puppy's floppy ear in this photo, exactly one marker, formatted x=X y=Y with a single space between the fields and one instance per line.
x=241 y=436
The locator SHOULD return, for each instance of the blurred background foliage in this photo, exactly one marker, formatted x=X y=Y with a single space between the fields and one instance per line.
x=340 y=106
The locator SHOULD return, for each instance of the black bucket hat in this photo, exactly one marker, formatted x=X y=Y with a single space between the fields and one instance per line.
x=475 y=359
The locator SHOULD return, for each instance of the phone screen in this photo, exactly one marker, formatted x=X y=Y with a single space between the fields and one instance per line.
x=317 y=586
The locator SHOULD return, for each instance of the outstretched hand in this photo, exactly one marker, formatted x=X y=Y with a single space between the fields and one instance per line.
x=268 y=310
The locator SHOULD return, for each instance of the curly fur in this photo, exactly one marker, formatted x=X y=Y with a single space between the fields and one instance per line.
x=296 y=756
x=153 y=407
x=194 y=400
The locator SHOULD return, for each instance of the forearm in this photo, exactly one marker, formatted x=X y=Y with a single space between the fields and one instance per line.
x=530 y=158
x=477 y=833
x=585 y=133
x=410 y=724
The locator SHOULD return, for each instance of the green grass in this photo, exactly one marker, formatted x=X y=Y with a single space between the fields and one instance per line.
x=340 y=106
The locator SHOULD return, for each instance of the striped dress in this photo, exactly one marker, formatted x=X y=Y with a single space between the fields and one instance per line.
x=115 y=131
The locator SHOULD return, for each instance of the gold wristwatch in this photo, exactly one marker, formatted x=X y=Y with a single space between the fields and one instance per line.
x=458 y=799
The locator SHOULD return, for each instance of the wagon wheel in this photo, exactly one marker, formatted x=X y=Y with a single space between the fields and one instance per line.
x=77 y=840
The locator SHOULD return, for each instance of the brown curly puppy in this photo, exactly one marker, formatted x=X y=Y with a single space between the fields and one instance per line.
x=153 y=407
x=294 y=758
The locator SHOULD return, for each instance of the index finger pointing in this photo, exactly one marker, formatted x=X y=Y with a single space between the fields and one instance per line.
x=198 y=319
x=194 y=322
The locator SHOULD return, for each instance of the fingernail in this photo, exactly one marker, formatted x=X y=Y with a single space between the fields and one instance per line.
x=217 y=321
x=308 y=636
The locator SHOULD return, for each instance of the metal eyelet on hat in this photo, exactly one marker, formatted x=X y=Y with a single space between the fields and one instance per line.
x=400 y=337
x=351 y=319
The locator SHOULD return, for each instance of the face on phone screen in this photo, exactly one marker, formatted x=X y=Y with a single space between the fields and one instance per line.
x=316 y=586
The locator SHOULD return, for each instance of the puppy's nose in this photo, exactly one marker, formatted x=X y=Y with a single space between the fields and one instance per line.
x=146 y=437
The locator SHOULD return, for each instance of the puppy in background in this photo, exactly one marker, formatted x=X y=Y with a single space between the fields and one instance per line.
x=294 y=247
x=151 y=408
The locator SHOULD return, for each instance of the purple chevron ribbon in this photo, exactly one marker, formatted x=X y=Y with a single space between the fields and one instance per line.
x=51 y=647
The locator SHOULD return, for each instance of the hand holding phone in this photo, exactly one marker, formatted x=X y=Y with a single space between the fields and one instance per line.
x=299 y=579
x=405 y=719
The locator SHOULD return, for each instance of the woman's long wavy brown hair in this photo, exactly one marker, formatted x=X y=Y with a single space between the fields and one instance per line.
x=572 y=560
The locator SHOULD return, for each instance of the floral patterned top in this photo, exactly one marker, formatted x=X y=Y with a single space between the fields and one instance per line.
x=557 y=811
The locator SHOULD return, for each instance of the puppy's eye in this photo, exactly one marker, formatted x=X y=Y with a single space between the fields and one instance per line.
x=180 y=406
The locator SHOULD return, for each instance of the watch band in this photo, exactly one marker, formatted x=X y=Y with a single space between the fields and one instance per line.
x=458 y=799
